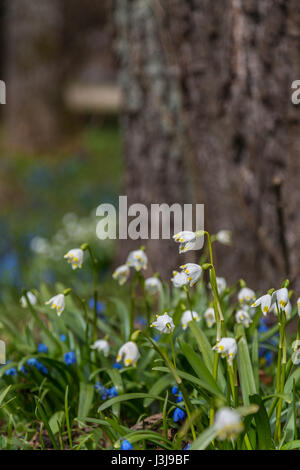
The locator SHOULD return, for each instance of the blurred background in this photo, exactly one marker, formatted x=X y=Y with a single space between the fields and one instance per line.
x=164 y=101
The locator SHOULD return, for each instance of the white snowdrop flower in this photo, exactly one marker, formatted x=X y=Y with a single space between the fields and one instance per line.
x=31 y=297
x=224 y=237
x=187 y=317
x=129 y=353
x=228 y=423
x=193 y=272
x=265 y=302
x=296 y=353
x=179 y=279
x=298 y=305
x=101 y=345
x=209 y=316
x=287 y=309
x=57 y=302
x=246 y=296
x=75 y=258
x=186 y=240
x=137 y=259
x=281 y=296
x=243 y=317
x=227 y=347
x=164 y=323
x=121 y=274
x=153 y=285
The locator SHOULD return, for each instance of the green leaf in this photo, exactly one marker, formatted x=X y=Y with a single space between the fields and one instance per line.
x=125 y=397
x=262 y=422
x=42 y=415
x=56 y=420
x=200 y=369
x=157 y=388
x=291 y=445
x=4 y=393
x=204 y=439
x=86 y=394
x=245 y=370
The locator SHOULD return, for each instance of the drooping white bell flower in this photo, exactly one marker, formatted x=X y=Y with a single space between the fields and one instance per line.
x=187 y=317
x=153 y=285
x=224 y=237
x=287 y=309
x=296 y=353
x=186 y=240
x=137 y=259
x=246 y=296
x=298 y=305
x=281 y=297
x=101 y=345
x=265 y=302
x=75 y=257
x=31 y=297
x=179 y=279
x=193 y=272
x=164 y=323
x=130 y=353
x=227 y=347
x=228 y=423
x=243 y=317
x=209 y=316
x=121 y=274
x=57 y=302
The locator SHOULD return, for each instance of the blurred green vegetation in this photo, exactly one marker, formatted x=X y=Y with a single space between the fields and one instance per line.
x=37 y=191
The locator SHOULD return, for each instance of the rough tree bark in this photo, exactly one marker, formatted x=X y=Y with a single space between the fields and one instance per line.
x=236 y=60
x=33 y=74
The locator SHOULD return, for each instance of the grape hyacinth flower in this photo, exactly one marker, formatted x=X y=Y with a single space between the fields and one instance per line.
x=57 y=302
x=75 y=257
x=178 y=415
x=63 y=338
x=42 y=348
x=129 y=351
x=70 y=358
x=126 y=445
x=121 y=274
x=163 y=323
x=187 y=317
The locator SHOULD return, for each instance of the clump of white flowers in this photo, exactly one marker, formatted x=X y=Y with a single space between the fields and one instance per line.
x=243 y=317
x=137 y=259
x=224 y=237
x=57 y=302
x=153 y=285
x=101 y=345
x=31 y=297
x=209 y=316
x=129 y=353
x=75 y=257
x=279 y=297
x=228 y=424
x=187 y=317
x=163 y=323
x=227 y=347
x=121 y=274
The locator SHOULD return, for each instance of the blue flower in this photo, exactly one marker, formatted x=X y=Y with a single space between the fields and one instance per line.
x=63 y=338
x=178 y=415
x=100 y=306
x=99 y=387
x=70 y=358
x=22 y=369
x=12 y=372
x=112 y=392
x=33 y=362
x=42 y=348
x=174 y=390
x=117 y=365
x=187 y=447
x=126 y=445
x=179 y=397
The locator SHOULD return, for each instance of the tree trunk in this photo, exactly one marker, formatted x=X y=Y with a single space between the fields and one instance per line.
x=235 y=61
x=33 y=74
